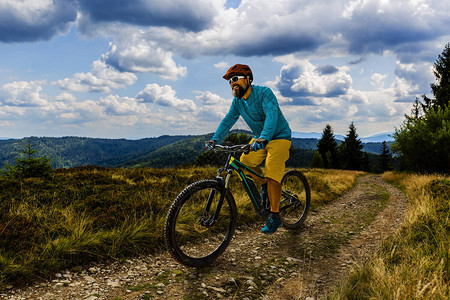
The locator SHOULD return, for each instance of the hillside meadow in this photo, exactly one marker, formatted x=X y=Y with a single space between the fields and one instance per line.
x=91 y=214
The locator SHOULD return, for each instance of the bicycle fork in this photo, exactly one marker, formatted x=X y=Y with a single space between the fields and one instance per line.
x=206 y=219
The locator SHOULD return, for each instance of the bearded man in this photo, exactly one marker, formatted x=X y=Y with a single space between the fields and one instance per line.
x=258 y=106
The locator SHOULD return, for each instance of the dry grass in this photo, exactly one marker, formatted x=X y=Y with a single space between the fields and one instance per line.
x=414 y=264
x=327 y=185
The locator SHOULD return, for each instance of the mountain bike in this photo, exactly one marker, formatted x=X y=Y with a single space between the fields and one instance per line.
x=201 y=220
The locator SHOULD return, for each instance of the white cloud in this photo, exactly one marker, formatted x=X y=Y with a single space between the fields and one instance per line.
x=418 y=73
x=403 y=90
x=266 y=27
x=174 y=123
x=208 y=98
x=372 y=26
x=327 y=28
x=213 y=115
x=139 y=55
x=213 y=110
x=115 y=105
x=165 y=96
x=377 y=80
x=311 y=82
x=102 y=78
x=300 y=78
x=66 y=109
x=355 y=96
x=67 y=97
x=223 y=65
x=273 y=30
x=23 y=93
x=301 y=81
x=168 y=37
x=88 y=110
x=11 y=112
x=73 y=112
x=27 y=8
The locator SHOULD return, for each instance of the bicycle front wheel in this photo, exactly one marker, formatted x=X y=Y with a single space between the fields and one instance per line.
x=295 y=199
x=192 y=237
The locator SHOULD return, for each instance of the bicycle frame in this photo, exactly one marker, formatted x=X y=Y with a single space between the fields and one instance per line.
x=232 y=164
x=239 y=168
x=261 y=207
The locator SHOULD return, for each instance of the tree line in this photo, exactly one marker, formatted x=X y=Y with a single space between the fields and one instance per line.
x=348 y=154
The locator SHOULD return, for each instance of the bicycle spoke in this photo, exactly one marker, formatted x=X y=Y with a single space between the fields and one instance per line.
x=295 y=202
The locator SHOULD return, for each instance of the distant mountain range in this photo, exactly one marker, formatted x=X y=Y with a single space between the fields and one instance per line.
x=163 y=151
x=380 y=137
x=377 y=138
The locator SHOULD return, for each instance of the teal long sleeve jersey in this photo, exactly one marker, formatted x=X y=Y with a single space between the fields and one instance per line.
x=262 y=114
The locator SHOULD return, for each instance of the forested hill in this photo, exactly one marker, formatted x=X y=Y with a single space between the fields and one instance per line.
x=66 y=152
x=163 y=151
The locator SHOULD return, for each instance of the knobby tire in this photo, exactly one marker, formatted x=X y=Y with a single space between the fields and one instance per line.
x=190 y=242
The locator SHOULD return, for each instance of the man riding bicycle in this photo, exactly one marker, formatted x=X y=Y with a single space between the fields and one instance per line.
x=258 y=106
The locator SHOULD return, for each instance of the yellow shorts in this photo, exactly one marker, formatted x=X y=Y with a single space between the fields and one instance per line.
x=276 y=153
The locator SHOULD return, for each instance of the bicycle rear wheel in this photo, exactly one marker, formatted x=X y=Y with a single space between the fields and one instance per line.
x=295 y=199
x=189 y=234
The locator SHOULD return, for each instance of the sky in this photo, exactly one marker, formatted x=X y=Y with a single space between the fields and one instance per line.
x=145 y=68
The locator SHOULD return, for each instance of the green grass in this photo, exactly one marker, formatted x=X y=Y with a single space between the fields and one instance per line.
x=88 y=214
x=414 y=264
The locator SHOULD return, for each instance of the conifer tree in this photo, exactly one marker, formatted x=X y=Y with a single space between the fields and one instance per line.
x=441 y=90
x=328 y=148
x=28 y=165
x=317 y=161
x=384 y=162
x=365 y=162
x=351 y=150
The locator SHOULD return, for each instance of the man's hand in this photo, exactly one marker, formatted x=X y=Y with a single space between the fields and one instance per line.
x=210 y=144
x=259 y=144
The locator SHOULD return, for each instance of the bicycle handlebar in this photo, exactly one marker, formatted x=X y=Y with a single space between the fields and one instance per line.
x=244 y=148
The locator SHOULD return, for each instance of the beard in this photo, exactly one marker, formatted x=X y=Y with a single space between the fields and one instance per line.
x=239 y=92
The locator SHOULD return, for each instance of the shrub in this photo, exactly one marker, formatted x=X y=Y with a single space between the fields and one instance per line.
x=28 y=165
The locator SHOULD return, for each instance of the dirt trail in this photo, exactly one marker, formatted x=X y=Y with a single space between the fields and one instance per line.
x=305 y=264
